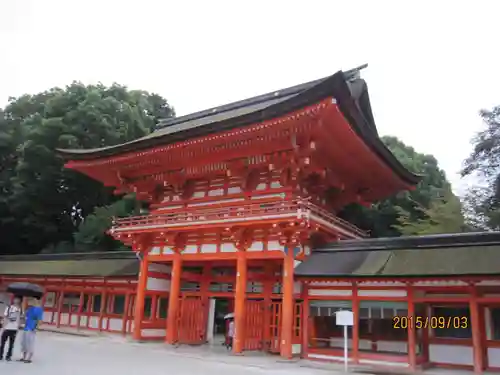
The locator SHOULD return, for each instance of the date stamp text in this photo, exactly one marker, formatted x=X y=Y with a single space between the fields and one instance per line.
x=432 y=322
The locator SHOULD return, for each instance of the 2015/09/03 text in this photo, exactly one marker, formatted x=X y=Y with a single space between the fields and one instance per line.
x=433 y=322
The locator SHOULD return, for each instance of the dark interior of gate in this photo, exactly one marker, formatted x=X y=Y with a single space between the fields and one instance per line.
x=203 y=282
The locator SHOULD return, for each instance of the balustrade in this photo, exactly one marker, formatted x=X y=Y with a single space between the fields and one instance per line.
x=293 y=209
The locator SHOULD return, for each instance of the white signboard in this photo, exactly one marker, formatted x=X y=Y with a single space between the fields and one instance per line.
x=345 y=318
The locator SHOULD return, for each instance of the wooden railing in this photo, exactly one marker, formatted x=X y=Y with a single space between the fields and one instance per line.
x=244 y=212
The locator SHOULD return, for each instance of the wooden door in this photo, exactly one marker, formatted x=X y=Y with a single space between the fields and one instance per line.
x=275 y=325
x=192 y=321
x=254 y=324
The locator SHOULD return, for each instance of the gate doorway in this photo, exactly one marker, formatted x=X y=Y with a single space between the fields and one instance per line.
x=217 y=325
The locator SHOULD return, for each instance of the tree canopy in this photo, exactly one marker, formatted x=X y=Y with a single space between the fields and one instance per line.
x=483 y=165
x=42 y=203
x=429 y=209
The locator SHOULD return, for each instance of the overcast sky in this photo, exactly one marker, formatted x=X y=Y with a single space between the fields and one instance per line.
x=432 y=64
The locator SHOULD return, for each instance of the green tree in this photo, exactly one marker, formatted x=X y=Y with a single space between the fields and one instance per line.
x=443 y=216
x=42 y=194
x=92 y=232
x=430 y=208
x=483 y=165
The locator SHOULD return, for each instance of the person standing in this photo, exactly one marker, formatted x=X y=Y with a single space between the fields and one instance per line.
x=34 y=317
x=11 y=322
x=230 y=334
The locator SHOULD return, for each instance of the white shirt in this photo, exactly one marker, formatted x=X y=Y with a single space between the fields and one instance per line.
x=231 y=329
x=12 y=318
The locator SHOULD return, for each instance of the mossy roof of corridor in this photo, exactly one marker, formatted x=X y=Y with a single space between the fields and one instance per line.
x=414 y=256
x=106 y=264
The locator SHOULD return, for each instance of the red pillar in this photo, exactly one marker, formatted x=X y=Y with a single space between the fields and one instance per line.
x=239 y=305
x=125 y=314
x=139 y=301
x=59 y=307
x=476 y=333
x=104 y=305
x=268 y=291
x=412 y=337
x=305 y=320
x=288 y=305
x=79 y=312
x=173 y=299
x=355 y=327
x=425 y=339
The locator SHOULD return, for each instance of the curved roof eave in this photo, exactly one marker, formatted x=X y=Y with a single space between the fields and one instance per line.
x=347 y=88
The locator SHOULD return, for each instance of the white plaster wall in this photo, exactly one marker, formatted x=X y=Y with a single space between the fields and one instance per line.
x=115 y=324
x=208 y=248
x=234 y=190
x=228 y=248
x=274 y=245
x=154 y=332
x=216 y=192
x=64 y=320
x=83 y=321
x=47 y=316
x=329 y=292
x=94 y=322
x=381 y=293
x=256 y=246
x=296 y=348
x=190 y=249
x=156 y=250
x=453 y=354
x=494 y=357
x=162 y=285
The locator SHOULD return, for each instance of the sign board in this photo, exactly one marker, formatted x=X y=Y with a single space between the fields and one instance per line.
x=344 y=318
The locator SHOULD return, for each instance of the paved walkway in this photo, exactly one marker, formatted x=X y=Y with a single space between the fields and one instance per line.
x=59 y=354
x=64 y=354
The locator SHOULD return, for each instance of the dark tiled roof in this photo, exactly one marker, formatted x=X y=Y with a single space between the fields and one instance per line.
x=86 y=264
x=437 y=255
x=347 y=88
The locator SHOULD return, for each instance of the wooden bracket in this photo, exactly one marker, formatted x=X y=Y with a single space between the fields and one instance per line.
x=188 y=189
x=176 y=240
x=241 y=237
x=251 y=180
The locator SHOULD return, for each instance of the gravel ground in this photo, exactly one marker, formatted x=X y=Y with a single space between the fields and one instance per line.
x=58 y=354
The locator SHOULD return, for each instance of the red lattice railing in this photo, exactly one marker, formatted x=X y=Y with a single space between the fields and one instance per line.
x=244 y=212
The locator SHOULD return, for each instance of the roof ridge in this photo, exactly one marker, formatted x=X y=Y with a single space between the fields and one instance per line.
x=275 y=94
